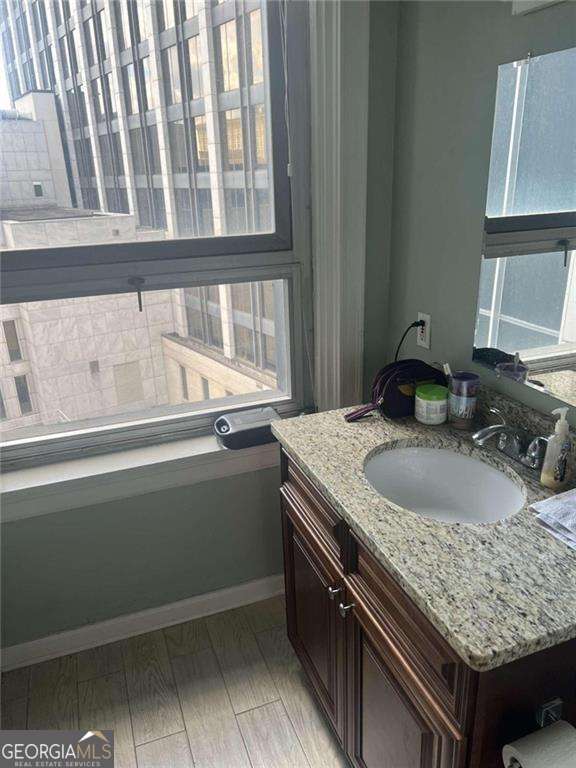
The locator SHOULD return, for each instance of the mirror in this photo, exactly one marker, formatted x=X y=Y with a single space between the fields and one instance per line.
x=526 y=317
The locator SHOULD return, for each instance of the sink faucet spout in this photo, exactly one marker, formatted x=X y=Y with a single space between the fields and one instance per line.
x=483 y=435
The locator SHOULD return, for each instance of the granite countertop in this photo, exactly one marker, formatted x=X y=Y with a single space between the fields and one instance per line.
x=495 y=591
x=561 y=384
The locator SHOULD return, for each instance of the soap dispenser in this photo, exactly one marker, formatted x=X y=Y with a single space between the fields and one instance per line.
x=555 y=468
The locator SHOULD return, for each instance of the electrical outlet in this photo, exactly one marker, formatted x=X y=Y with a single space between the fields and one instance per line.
x=423 y=332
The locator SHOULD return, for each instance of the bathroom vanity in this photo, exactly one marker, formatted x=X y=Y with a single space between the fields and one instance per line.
x=428 y=644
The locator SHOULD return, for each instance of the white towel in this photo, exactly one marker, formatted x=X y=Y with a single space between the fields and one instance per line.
x=558 y=515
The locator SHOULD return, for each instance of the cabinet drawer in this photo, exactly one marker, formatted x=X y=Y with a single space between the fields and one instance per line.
x=319 y=515
x=411 y=634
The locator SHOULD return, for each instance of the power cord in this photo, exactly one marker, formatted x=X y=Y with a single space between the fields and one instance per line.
x=415 y=324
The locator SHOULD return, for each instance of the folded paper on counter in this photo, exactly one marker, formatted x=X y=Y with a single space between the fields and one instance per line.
x=558 y=516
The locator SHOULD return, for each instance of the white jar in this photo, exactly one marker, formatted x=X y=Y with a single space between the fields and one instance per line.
x=431 y=404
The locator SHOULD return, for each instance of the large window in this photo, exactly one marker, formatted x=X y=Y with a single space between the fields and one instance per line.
x=208 y=77
x=163 y=154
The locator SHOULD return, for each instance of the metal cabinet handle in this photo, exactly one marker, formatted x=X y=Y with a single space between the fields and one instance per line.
x=333 y=591
x=344 y=609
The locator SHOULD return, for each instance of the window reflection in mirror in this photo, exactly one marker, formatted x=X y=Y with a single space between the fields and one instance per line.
x=526 y=319
x=527 y=306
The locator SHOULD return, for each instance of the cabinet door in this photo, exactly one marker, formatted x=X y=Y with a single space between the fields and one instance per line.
x=388 y=727
x=312 y=604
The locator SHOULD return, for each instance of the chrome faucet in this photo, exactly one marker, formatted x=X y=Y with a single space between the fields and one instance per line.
x=514 y=442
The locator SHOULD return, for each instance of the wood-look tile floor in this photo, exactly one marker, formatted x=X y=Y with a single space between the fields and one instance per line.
x=226 y=691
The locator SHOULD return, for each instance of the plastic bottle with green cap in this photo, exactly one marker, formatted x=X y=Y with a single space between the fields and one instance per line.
x=431 y=404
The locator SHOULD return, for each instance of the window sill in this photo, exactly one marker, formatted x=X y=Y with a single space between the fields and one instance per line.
x=91 y=480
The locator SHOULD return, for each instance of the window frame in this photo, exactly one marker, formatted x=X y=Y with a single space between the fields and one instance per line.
x=46 y=449
x=76 y=271
x=534 y=233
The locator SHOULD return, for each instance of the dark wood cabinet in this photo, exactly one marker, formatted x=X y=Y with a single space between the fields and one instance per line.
x=396 y=694
x=388 y=724
x=313 y=587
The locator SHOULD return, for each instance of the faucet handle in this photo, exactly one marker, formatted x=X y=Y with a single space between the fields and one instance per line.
x=535 y=453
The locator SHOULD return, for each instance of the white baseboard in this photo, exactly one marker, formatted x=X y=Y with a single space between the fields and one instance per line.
x=103 y=632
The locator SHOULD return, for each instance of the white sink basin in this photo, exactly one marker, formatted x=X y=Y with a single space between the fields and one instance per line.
x=444 y=485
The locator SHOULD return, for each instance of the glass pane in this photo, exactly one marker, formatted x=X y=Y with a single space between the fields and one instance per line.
x=190 y=8
x=233 y=150
x=227 y=57
x=195 y=70
x=122 y=24
x=171 y=75
x=533 y=159
x=514 y=338
x=114 y=68
x=534 y=289
x=12 y=342
x=527 y=302
x=486 y=283
x=235 y=211
x=98 y=360
x=256 y=62
x=130 y=89
x=98 y=99
x=149 y=92
x=259 y=118
x=481 y=333
x=90 y=41
x=23 y=394
x=165 y=13
x=202 y=157
x=177 y=135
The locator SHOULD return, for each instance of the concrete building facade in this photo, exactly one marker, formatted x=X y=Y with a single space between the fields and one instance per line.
x=163 y=106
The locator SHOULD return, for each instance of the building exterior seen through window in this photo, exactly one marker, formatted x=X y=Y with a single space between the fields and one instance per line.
x=130 y=122
x=190 y=77
x=79 y=363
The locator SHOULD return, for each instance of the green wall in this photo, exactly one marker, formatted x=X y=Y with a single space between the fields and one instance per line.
x=64 y=570
x=381 y=124
x=448 y=55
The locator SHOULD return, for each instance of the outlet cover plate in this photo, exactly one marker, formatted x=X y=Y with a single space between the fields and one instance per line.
x=423 y=334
